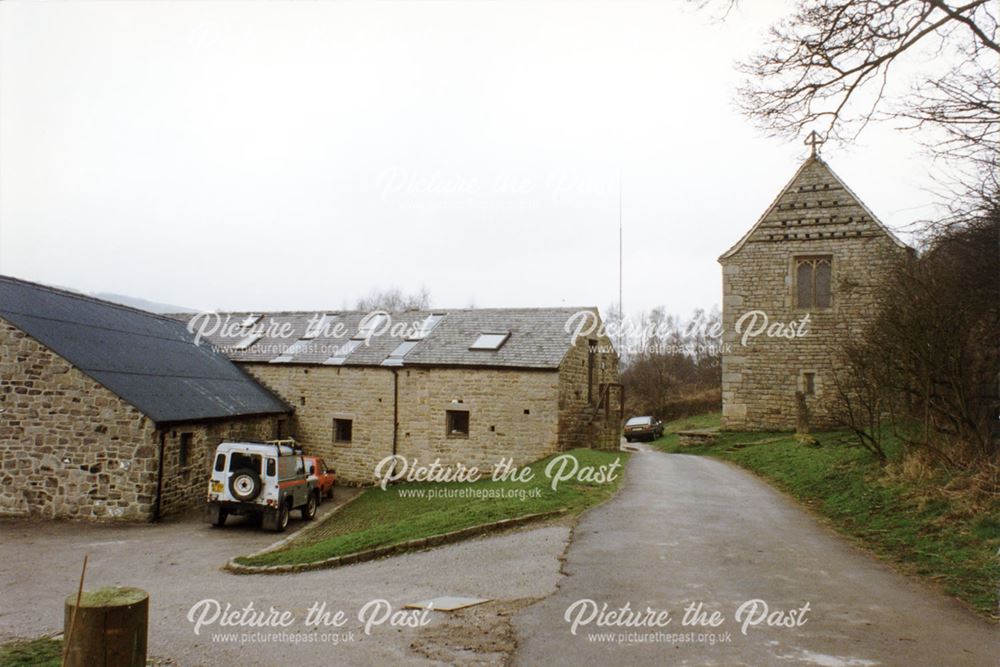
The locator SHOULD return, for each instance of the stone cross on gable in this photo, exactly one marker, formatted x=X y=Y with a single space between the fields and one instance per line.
x=814 y=141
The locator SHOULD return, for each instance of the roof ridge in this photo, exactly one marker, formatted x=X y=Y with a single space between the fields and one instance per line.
x=337 y=311
x=84 y=297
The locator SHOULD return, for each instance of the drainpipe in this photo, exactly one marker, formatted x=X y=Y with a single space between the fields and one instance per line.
x=159 y=477
x=395 y=410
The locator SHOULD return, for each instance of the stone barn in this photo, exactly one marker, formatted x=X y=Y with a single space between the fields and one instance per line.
x=807 y=273
x=468 y=387
x=107 y=412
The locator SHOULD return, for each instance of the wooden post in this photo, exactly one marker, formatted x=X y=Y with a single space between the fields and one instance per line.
x=109 y=628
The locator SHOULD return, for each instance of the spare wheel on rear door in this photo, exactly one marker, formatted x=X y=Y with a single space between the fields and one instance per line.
x=244 y=485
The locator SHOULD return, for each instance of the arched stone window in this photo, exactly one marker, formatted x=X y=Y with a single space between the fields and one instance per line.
x=813 y=281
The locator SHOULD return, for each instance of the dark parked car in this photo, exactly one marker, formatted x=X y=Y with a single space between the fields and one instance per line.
x=643 y=428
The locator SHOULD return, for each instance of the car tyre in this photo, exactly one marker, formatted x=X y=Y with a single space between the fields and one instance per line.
x=309 y=509
x=329 y=493
x=282 y=522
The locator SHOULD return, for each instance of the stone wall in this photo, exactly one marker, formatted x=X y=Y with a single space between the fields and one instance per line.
x=583 y=420
x=321 y=393
x=497 y=401
x=513 y=414
x=70 y=448
x=815 y=215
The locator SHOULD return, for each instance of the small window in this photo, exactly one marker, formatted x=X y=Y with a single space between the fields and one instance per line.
x=343 y=429
x=282 y=429
x=287 y=466
x=490 y=341
x=241 y=461
x=371 y=324
x=457 y=423
x=184 y=453
x=320 y=327
x=809 y=384
x=342 y=352
x=427 y=326
x=247 y=342
x=220 y=463
x=395 y=357
x=298 y=347
x=813 y=282
x=250 y=320
x=272 y=468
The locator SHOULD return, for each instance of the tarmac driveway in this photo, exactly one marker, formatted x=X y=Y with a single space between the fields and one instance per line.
x=682 y=530
x=178 y=564
x=687 y=529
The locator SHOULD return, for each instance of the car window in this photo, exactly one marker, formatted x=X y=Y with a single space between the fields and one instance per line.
x=637 y=421
x=322 y=466
x=286 y=467
x=220 y=462
x=271 y=468
x=300 y=466
x=241 y=461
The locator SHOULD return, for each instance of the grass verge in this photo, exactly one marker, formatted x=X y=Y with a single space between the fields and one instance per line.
x=43 y=652
x=417 y=510
x=910 y=522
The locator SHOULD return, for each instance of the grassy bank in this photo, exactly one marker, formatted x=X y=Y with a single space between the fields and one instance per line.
x=418 y=510
x=34 y=653
x=943 y=537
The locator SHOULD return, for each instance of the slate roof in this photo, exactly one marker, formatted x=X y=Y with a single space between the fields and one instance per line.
x=538 y=337
x=150 y=361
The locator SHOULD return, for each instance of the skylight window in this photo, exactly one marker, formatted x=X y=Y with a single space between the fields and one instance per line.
x=250 y=321
x=395 y=358
x=371 y=324
x=426 y=326
x=247 y=342
x=298 y=347
x=343 y=352
x=321 y=326
x=490 y=341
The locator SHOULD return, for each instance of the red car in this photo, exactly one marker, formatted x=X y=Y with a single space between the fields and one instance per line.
x=325 y=477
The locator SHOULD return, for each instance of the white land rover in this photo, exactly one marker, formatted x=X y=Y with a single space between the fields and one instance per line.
x=270 y=479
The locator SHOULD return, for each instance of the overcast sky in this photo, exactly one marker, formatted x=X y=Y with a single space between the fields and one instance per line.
x=287 y=156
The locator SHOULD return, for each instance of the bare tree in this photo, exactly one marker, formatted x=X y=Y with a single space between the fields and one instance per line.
x=393 y=299
x=829 y=64
x=674 y=366
x=861 y=394
x=928 y=361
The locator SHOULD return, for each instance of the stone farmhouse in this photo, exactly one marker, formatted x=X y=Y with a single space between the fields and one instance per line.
x=112 y=413
x=107 y=412
x=810 y=268
x=470 y=387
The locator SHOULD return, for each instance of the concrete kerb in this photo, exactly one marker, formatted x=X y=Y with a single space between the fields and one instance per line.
x=381 y=552
x=308 y=528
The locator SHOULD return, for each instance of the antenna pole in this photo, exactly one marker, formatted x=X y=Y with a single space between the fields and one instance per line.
x=621 y=320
